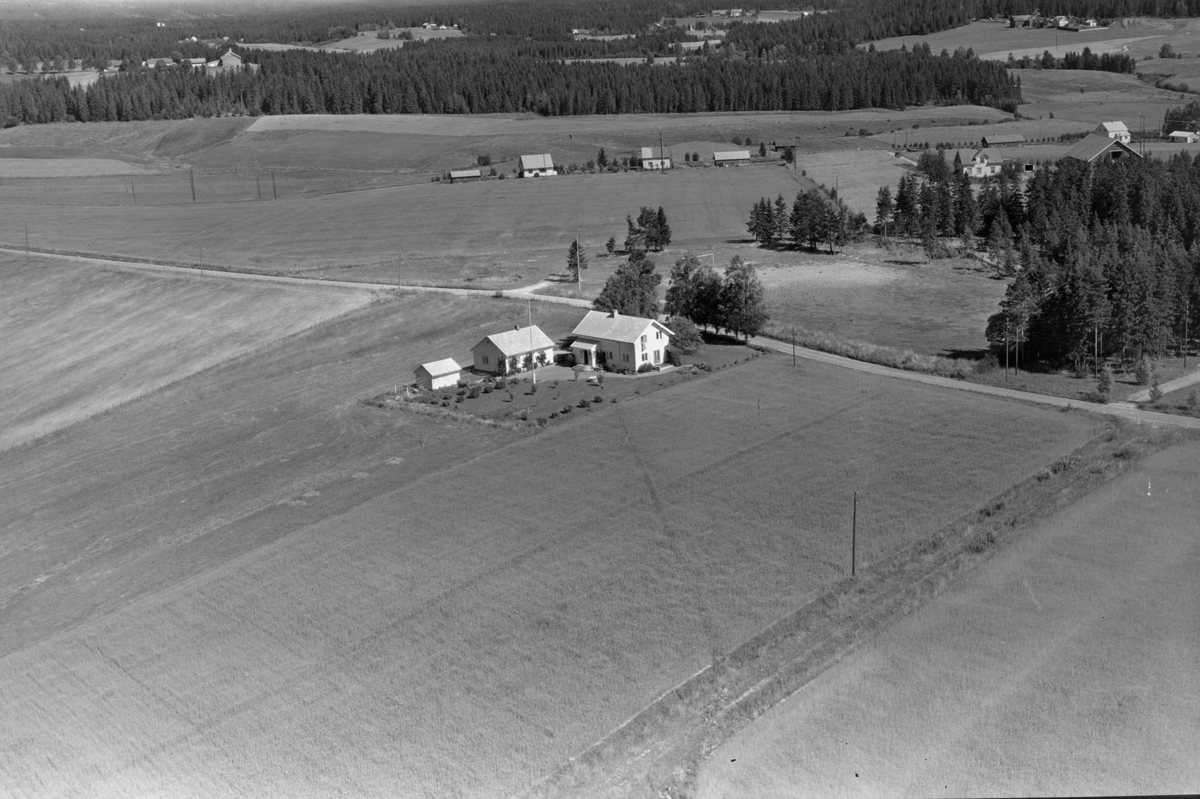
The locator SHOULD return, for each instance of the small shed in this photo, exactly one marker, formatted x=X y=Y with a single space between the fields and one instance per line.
x=1002 y=140
x=536 y=166
x=465 y=175
x=438 y=374
x=1184 y=137
x=732 y=158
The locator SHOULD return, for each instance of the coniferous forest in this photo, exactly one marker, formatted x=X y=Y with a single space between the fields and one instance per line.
x=1101 y=257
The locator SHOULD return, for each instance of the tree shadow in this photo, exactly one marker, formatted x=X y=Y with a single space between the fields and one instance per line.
x=905 y=262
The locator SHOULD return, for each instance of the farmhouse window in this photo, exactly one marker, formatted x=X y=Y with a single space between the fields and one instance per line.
x=643 y=341
x=658 y=335
x=485 y=360
x=645 y=357
x=625 y=357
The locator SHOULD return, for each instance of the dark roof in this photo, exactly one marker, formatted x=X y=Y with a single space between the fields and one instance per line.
x=1004 y=138
x=1093 y=145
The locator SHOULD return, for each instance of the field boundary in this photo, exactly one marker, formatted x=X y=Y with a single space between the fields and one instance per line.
x=659 y=749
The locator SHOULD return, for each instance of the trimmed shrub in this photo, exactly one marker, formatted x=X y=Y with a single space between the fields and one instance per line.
x=582 y=403
x=597 y=399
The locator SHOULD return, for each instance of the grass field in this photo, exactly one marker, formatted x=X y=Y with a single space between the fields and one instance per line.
x=1062 y=667
x=995 y=40
x=489 y=234
x=894 y=297
x=251 y=582
x=82 y=339
x=65 y=167
x=897 y=298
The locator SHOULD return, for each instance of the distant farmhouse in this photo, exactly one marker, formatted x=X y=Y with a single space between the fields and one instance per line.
x=1002 y=140
x=732 y=158
x=650 y=162
x=493 y=353
x=536 y=166
x=465 y=175
x=1097 y=146
x=1115 y=130
x=618 y=341
x=438 y=374
x=984 y=164
x=1184 y=137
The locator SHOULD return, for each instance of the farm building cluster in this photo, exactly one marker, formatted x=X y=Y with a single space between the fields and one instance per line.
x=1058 y=21
x=606 y=340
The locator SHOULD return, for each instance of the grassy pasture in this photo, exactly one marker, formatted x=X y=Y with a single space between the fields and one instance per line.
x=362 y=42
x=82 y=339
x=466 y=632
x=1062 y=666
x=896 y=298
x=995 y=40
x=493 y=233
x=65 y=167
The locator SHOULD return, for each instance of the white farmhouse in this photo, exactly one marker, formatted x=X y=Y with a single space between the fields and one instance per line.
x=618 y=341
x=536 y=166
x=650 y=162
x=984 y=164
x=495 y=352
x=1115 y=130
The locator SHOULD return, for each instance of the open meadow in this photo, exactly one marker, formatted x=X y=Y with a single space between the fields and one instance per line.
x=81 y=339
x=251 y=582
x=1064 y=666
x=490 y=234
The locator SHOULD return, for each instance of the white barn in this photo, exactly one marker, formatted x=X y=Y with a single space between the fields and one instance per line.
x=536 y=166
x=731 y=158
x=1184 y=137
x=438 y=374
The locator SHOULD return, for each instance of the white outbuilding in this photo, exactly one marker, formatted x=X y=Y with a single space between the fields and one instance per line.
x=438 y=374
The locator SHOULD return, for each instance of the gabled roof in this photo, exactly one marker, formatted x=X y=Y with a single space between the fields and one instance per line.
x=1005 y=138
x=732 y=155
x=518 y=342
x=1113 y=127
x=1093 y=145
x=465 y=173
x=647 y=152
x=612 y=326
x=230 y=53
x=1175 y=134
x=543 y=161
x=992 y=156
x=446 y=366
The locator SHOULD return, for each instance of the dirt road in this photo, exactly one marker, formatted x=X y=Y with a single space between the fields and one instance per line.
x=1127 y=412
x=1066 y=665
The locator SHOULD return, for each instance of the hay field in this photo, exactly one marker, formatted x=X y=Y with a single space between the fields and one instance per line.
x=896 y=298
x=464 y=632
x=80 y=339
x=1063 y=666
x=65 y=167
x=995 y=40
x=494 y=233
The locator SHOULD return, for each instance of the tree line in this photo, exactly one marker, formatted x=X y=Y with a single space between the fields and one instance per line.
x=434 y=79
x=1103 y=259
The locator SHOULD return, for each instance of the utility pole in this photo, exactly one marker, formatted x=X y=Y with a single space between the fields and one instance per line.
x=532 y=364
x=578 y=265
x=27 y=238
x=1006 y=352
x=133 y=188
x=1186 y=314
x=854 y=538
x=400 y=269
x=793 y=346
x=258 y=183
x=274 y=193
x=192 y=178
